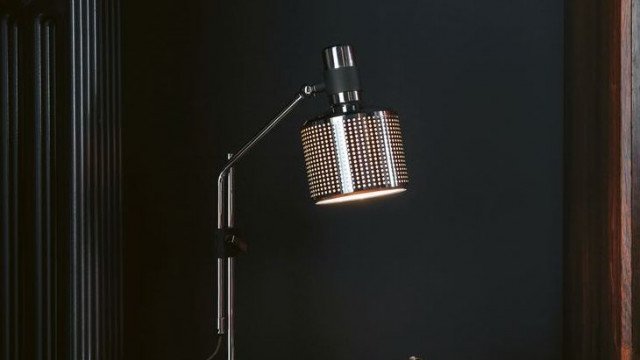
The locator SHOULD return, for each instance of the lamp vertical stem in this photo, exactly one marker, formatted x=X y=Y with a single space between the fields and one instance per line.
x=226 y=276
x=221 y=324
x=230 y=268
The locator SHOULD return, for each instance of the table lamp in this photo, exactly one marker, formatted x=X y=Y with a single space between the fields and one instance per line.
x=350 y=154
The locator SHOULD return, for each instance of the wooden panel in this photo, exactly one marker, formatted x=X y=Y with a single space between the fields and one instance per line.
x=635 y=172
x=600 y=170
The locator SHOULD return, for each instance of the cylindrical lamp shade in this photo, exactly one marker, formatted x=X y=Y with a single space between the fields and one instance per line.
x=354 y=156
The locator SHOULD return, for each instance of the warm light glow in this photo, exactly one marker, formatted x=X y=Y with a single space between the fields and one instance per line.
x=360 y=195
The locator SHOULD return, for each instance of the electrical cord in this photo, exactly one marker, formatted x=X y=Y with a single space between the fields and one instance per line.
x=217 y=349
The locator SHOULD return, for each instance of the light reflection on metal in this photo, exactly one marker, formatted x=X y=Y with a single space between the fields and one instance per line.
x=355 y=153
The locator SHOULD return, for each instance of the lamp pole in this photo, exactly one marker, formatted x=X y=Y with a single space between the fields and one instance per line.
x=225 y=263
x=230 y=269
x=350 y=154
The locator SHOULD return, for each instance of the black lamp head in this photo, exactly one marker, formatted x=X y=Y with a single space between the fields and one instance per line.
x=350 y=153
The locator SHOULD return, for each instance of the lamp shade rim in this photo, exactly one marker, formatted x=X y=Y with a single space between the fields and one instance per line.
x=341 y=116
x=359 y=195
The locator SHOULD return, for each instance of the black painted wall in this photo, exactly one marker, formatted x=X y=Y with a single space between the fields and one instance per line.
x=465 y=265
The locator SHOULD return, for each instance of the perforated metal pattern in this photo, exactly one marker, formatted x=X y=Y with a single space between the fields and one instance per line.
x=318 y=144
x=351 y=153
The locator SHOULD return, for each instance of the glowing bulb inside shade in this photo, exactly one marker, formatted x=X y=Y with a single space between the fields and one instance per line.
x=359 y=196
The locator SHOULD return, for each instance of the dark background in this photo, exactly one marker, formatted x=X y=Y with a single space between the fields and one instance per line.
x=465 y=265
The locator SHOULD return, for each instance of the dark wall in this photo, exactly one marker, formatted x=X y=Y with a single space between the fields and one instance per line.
x=465 y=265
x=60 y=180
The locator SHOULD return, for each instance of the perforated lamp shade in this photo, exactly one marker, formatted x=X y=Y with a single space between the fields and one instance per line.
x=354 y=156
x=350 y=154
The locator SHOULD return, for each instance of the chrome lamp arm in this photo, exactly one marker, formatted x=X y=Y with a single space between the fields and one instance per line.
x=225 y=266
x=305 y=92
x=373 y=137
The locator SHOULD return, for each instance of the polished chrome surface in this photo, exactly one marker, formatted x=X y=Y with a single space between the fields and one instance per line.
x=339 y=56
x=359 y=195
x=230 y=193
x=305 y=91
x=240 y=153
x=345 y=97
x=358 y=153
x=230 y=270
x=221 y=319
x=346 y=108
x=231 y=351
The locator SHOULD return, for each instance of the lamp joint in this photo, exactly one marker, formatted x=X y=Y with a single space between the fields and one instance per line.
x=312 y=90
x=228 y=243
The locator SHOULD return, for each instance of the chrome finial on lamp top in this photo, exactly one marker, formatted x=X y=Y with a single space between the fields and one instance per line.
x=351 y=154
x=341 y=77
